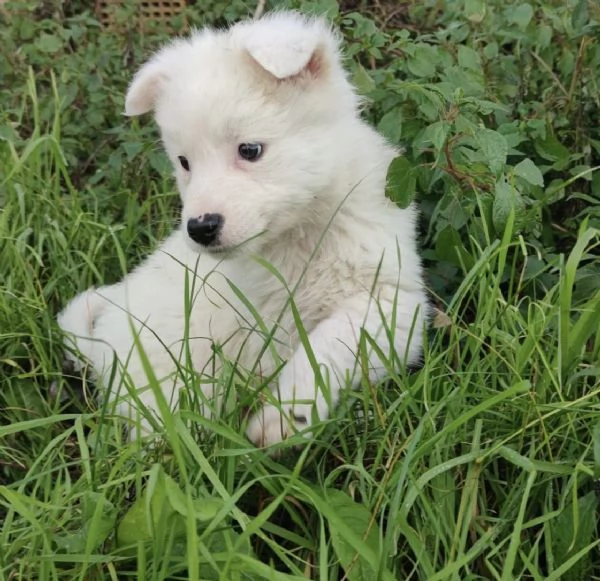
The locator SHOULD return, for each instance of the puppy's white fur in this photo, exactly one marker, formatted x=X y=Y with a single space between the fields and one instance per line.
x=313 y=206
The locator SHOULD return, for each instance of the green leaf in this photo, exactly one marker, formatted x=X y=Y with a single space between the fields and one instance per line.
x=455 y=210
x=580 y=16
x=98 y=517
x=149 y=513
x=584 y=329
x=401 y=182
x=264 y=571
x=357 y=518
x=205 y=509
x=527 y=170
x=357 y=537
x=596 y=438
x=391 y=125
x=552 y=150
x=226 y=548
x=469 y=58
x=573 y=530
x=494 y=148
x=328 y=8
x=49 y=43
x=362 y=80
x=490 y=50
x=132 y=148
x=521 y=15
x=163 y=510
x=544 y=36
x=159 y=162
x=449 y=246
x=475 y=10
x=423 y=61
x=570 y=342
x=436 y=134
x=506 y=199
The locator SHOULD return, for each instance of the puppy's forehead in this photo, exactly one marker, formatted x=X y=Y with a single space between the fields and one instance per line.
x=215 y=89
x=210 y=70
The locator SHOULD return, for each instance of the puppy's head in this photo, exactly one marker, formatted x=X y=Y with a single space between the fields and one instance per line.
x=250 y=120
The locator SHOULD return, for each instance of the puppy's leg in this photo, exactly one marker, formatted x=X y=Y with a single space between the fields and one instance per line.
x=335 y=344
x=77 y=321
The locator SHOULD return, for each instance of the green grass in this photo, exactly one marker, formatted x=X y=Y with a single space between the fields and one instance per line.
x=484 y=463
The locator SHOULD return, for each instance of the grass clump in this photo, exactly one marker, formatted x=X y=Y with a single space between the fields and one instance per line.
x=483 y=464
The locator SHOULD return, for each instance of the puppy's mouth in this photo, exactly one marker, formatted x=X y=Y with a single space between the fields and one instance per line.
x=215 y=248
x=218 y=250
x=223 y=252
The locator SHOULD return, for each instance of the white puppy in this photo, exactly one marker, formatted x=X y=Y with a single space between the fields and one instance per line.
x=282 y=187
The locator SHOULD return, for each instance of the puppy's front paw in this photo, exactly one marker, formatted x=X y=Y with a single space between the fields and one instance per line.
x=270 y=426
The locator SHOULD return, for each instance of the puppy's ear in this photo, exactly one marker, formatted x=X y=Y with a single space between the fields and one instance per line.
x=287 y=44
x=144 y=89
x=148 y=81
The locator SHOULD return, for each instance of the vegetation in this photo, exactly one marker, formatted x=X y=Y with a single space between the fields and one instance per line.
x=483 y=464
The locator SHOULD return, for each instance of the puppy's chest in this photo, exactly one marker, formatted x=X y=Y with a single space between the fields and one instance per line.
x=316 y=290
x=262 y=301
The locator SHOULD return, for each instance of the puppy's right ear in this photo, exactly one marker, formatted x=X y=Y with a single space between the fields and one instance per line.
x=145 y=87
x=148 y=82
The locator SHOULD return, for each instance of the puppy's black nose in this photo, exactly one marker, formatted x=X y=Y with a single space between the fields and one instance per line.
x=205 y=229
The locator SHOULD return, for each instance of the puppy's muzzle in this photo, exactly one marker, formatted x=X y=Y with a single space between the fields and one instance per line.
x=205 y=230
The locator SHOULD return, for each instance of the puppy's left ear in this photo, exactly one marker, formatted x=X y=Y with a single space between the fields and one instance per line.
x=287 y=45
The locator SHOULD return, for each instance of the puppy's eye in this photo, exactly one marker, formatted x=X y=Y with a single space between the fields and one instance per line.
x=185 y=164
x=250 y=151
